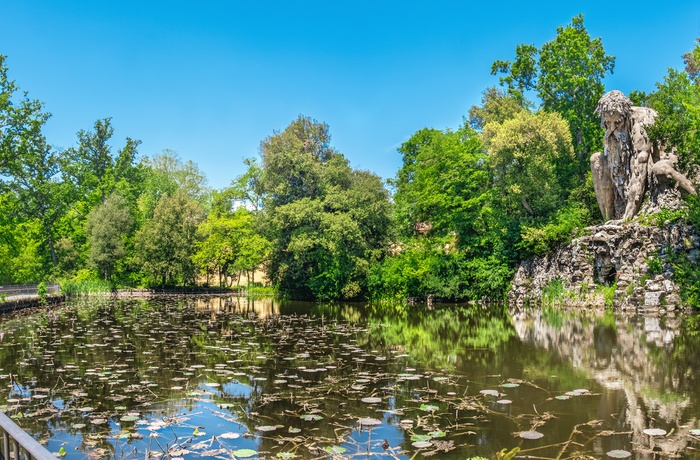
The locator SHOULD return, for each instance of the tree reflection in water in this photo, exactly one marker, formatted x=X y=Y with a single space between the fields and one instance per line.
x=199 y=377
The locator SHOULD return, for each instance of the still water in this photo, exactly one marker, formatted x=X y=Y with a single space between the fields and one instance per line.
x=226 y=377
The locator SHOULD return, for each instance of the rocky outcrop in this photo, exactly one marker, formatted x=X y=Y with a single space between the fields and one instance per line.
x=614 y=257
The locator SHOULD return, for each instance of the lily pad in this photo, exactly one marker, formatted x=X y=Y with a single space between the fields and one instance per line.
x=311 y=417
x=244 y=453
x=128 y=418
x=285 y=455
x=371 y=400
x=510 y=385
x=695 y=432
x=335 y=449
x=428 y=407
x=437 y=434
x=504 y=401
x=369 y=421
x=619 y=453
x=421 y=437
x=266 y=428
x=655 y=432
x=530 y=434
x=422 y=444
x=489 y=392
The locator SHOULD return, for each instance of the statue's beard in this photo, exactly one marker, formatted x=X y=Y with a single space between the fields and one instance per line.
x=618 y=152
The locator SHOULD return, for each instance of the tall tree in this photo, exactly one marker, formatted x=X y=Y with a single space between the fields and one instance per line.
x=167 y=242
x=37 y=182
x=166 y=174
x=327 y=223
x=108 y=225
x=567 y=75
x=532 y=163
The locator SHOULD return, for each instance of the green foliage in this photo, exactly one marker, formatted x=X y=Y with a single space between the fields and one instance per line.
x=326 y=222
x=608 y=294
x=42 y=292
x=532 y=163
x=655 y=265
x=72 y=288
x=108 y=225
x=553 y=292
x=443 y=181
x=228 y=244
x=686 y=273
x=167 y=242
x=424 y=268
x=566 y=73
x=567 y=223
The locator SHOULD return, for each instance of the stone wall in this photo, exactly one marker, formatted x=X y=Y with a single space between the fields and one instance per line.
x=607 y=255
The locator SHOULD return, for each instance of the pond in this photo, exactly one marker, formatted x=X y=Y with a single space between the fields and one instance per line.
x=227 y=377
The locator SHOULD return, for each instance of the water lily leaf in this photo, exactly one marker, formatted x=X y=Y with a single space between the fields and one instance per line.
x=128 y=418
x=371 y=400
x=335 y=449
x=230 y=435
x=421 y=437
x=618 y=453
x=294 y=430
x=504 y=401
x=266 y=428
x=244 y=453
x=530 y=434
x=562 y=397
x=311 y=417
x=286 y=455
x=422 y=444
x=655 y=432
x=437 y=434
x=489 y=392
x=428 y=407
x=695 y=432
x=368 y=421
x=510 y=385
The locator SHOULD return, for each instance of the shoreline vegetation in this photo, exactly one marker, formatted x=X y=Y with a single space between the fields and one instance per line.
x=465 y=209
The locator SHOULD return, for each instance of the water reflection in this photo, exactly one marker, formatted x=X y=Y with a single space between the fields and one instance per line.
x=200 y=377
x=652 y=360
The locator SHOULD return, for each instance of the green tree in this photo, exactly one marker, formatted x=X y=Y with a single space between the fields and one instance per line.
x=167 y=242
x=166 y=174
x=567 y=76
x=496 y=106
x=107 y=228
x=38 y=184
x=531 y=160
x=443 y=181
x=327 y=223
x=228 y=245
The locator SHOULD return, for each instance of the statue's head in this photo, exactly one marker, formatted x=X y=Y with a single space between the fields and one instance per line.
x=614 y=110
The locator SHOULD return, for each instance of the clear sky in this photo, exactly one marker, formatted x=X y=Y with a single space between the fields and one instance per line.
x=210 y=80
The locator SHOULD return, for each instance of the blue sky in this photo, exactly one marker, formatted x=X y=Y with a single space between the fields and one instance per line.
x=210 y=80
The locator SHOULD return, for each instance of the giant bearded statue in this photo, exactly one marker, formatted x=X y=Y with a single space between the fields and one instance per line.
x=630 y=164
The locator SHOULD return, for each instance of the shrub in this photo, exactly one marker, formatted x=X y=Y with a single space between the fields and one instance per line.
x=42 y=291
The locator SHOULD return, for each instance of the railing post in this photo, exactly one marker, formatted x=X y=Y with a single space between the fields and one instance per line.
x=6 y=444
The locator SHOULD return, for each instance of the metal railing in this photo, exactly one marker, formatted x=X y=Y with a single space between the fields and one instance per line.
x=11 y=290
x=16 y=441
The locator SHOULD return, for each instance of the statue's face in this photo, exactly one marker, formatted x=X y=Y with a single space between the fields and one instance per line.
x=614 y=120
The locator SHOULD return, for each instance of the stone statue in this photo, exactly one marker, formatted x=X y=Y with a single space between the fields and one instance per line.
x=630 y=164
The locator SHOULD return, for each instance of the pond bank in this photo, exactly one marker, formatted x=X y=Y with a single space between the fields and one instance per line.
x=11 y=304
